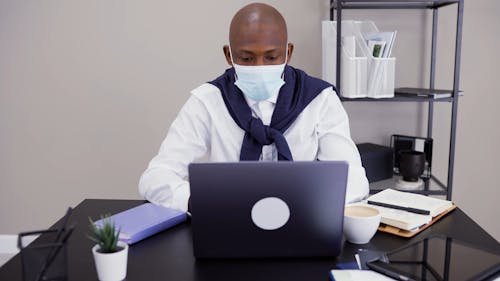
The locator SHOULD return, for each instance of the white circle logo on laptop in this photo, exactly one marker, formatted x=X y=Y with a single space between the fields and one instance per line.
x=270 y=213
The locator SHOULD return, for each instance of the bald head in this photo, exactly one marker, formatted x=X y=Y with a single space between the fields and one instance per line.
x=257 y=19
x=258 y=36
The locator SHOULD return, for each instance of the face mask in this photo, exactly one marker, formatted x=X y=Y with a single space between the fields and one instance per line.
x=259 y=82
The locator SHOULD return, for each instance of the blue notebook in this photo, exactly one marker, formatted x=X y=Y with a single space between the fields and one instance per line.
x=144 y=220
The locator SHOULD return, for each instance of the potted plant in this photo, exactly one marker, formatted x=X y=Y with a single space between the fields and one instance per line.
x=110 y=255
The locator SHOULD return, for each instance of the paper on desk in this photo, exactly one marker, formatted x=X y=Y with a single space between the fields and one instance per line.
x=406 y=199
x=401 y=219
x=355 y=275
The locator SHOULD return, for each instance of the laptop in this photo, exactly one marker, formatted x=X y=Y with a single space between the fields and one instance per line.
x=267 y=209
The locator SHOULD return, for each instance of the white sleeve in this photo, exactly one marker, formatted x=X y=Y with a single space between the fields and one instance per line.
x=335 y=143
x=165 y=180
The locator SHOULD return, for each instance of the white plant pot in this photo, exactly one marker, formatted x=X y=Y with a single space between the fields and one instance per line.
x=111 y=266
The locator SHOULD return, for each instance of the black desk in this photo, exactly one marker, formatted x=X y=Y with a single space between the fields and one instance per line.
x=169 y=255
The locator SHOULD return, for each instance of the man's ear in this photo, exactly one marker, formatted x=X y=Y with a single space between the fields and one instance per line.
x=290 y=52
x=227 y=54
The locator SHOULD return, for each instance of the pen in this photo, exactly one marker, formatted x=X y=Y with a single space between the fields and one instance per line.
x=408 y=209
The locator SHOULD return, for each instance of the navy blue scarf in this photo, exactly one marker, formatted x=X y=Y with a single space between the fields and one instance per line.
x=299 y=90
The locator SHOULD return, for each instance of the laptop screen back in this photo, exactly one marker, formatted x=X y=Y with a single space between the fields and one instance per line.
x=267 y=209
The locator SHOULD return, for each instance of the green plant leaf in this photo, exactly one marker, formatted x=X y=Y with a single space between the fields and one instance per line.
x=106 y=236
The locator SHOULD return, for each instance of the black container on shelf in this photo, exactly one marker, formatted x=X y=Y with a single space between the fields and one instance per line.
x=411 y=164
x=400 y=143
x=377 y=161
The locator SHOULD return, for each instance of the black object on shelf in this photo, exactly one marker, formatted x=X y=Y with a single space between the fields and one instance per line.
x=424 y=93
x=377 y=161
x=336 y=8
x=411 y=164
x=400 y=143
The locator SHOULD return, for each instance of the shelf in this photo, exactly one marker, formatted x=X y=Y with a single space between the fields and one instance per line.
x=398 y=98
x=431 y=186
x=391 y=4
x=401 y=97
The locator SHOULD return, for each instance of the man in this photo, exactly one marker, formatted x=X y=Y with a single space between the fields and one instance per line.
x=259 y=109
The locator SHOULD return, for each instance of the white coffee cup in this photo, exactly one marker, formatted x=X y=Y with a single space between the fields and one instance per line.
x=360 y=223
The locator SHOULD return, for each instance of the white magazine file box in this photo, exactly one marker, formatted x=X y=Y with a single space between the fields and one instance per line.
x=362 y=74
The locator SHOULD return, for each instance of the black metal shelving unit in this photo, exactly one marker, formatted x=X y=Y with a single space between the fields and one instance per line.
x=432 y=186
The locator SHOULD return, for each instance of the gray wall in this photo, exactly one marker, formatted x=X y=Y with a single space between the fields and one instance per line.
x=88 y=90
